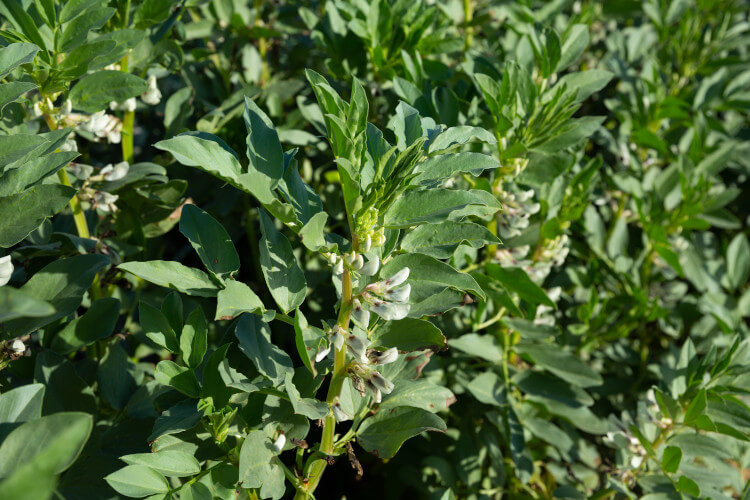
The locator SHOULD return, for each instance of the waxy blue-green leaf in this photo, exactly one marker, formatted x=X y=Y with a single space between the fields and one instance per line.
x=205 y=151
x=408 y=334
x=438 y=205
x=264 y=152
x=12 y=91
x=34 y=171
x=477 y=344
x=174 y=275
x=210 y=240
x=180 y=417
x=254 y=336
x=257 y=466
x=441 y=240
x=20 y=405
x=16 y=304
x=62 y=284
x=385 y=432
x=179 y=377
x=516 y=280
x=489 y=389
x=171 y=463
x=23 y=212
x=115 y=376
x=419 y=394
x=15 y=54
x=309 y=407
x=157 y=327
x=460 y=135
x=562 y=363
x=284 y=278
x=137 y=481
x=194 y=338
x=96 y=323
x=309 y=340
x=95 y=91
x=235 y=299
x=442 y=167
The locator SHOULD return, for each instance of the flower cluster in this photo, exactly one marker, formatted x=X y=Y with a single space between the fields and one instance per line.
x=354 y=261
x=386 y=298
x=551 y=253
x=518 y=207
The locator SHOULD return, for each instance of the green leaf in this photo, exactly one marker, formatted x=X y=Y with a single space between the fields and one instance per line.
x=568 y=135
x=482 y=346
x=419 y=394
x=557 y=360
x=438 y=205
x=308 y=340
x=696 y=408
x=687 y=485
x=62 y=284
x=385 y=432
x=33 y=172
x=738 y=261
x=441 y=240
x=174 y=275
x=489 y=389
x=16 y=304
x=235 y=299
x=171 y=463
x=205 y=151
x=311 y=408
x=284 y=278
x=312 y=233
x=179 y=377
x=699 y=445
x=157 y=327
x=115 y=376
x=408 y=334
x=194 y=338
x=10 y=92
x=137 y=481
x=95 y=91
x=264 y=152
x=98 y=322
x=254 y=336
x=670 y=460
x=20 y=405
x=171 y=308
x=575 y=41
x=178 y=418
x=213 y=383
x=23 y=212
x=15 y=54
x=69 y=431
x=76 y=32
x=211 y=241
x=257 y=467
x=585 y=83
x=516 y=280
x=439 y=168
x=435 y=286
x=460 y=135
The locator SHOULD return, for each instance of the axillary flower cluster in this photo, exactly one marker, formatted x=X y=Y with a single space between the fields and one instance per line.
x=388 y=298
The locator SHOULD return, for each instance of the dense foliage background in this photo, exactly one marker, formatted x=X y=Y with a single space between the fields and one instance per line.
x=249 y=249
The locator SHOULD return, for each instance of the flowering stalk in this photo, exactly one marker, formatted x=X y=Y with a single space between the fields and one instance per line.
x=75 y=203
x=128 y=122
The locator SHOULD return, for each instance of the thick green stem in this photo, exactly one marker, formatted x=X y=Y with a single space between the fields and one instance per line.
x=469 y=29
x=128 y=123
x=262 y=45
x=75 y=205
x=334 y=390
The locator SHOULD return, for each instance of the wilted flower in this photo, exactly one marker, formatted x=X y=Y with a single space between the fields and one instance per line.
x=360 y=314
x=6 y=270
x=338 y=337
x=338 y=412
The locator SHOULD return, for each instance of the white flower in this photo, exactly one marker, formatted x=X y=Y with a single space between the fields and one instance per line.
x=115 y=172
x=322 y=353
x=103 y=125
x=390 y=311
x=338 y=413
x=385 y=357
x=80 y=170
x=105 y=201
x=358 y=347
x=127 y=105
x=18 y=347
x=370 y=268
x=338 y=268
x=6 y=270
x=152 y=96
x=397 y=278
x=67 y=107
x=358 y=262
x=338 y=337
x=278 y=445
x=400 y=295
x=349 y=258
x=69 y=145
x=37 y=109
x=359 y=314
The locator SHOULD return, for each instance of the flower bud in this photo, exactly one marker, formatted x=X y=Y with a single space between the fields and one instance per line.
x=370 y=268
x=152 y=96
x=357 y=347
x=37 y=109
x=358 y=262
x=278 y=445
x=322 y=353
x=6 y=270
x=18 y=347
x=349 y=258
x=338 y=268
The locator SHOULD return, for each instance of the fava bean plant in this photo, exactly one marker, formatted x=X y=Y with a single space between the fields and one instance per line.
x=471 y=249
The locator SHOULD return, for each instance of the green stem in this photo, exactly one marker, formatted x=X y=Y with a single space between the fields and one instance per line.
x=262 y=45
x=128 y=123
x=75 y=205
x=469 y=29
